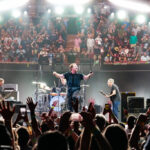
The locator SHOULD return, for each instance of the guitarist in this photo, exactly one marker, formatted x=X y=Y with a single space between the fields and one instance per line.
x=114 y=96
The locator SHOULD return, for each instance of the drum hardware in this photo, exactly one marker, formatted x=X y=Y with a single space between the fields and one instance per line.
x=84 y=86
x=41 y=96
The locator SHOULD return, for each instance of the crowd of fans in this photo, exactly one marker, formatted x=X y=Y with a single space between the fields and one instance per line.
x=25 y=41
x=110 y=40
x=99 y=39
x=72 y=130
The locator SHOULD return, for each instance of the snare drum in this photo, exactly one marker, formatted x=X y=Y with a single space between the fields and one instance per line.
x=60 y=101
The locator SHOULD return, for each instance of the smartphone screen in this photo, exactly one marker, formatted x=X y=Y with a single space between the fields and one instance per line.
x=107 y=106
x=22 y=110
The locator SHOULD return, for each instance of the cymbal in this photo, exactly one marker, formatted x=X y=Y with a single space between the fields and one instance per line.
x=63 y=93
x=34 y=82
x=53 y=94
x=85 y=85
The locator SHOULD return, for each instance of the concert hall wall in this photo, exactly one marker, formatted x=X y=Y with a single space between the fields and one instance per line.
x=131 y=81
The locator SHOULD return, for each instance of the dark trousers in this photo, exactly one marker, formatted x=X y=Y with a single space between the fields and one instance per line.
x=72 y=97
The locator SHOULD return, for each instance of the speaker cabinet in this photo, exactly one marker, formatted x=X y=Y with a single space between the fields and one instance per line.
x=135 y=102
x=124 y=106
x=148 y=103
x=98 y=108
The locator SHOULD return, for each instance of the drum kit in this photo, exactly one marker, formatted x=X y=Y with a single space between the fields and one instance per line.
x=46 y=96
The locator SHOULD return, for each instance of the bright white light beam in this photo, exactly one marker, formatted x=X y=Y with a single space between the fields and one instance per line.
x=16 y=13
x=141 y=7
x=141 y=19
x=59 y=10
x=68 y=2
x=121 y=14
x=79 y=9
x=11 y=4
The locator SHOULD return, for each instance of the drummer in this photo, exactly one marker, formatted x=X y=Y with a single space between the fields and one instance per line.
x=60 y=89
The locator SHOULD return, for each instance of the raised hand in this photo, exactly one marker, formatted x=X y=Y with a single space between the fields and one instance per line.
x=91 y=109
x=75 y=105
x=31 y=105
x=6 y=111
x=64 y=122
x=87 y=120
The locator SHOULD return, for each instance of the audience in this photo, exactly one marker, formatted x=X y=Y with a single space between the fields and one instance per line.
x=89 y=131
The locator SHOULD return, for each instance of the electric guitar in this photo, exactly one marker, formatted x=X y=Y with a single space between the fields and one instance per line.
x=102 y=92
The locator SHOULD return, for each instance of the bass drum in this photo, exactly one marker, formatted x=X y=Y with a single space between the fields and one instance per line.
x=60 y=103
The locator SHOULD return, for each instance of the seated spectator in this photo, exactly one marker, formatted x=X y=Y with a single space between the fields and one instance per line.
x=61 y=49
x=60 y=41
x=145 y=57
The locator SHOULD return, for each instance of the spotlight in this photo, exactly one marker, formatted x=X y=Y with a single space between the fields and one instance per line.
x=137 y=6
x=16 y=13
x=121 y=14
x=1 y=18
x=49 y=11
x=141 y=19
x=68 y=2
x=59 y=10
x=25 y=12
x=112 y=15
x=89 y=10
x=7 y=4
x=79 y=9
x=105 y=7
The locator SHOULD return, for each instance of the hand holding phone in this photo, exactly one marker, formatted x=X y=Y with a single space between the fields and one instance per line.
x=23 y=110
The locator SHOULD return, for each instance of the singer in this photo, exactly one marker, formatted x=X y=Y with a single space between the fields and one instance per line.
x=73 y=79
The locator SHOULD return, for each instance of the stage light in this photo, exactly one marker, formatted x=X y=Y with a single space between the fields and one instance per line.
x=79 y=9
x=105 y=7
x=1 y=19
x=112 y=15
x=68 y=2
x=59 y=10
x=49 y=11
x=137 y=6
x=89 y=10
x=141 y=19
x=8 y=4
x=16 y=13
x=25 y=12
x=121 y=14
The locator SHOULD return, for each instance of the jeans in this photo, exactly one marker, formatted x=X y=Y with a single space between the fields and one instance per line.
x=115 y=108
x=72 y=97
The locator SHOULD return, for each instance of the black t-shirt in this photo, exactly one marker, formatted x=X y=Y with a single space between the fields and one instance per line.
x=1 y=89
x=73 y=81
x=116 y=97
